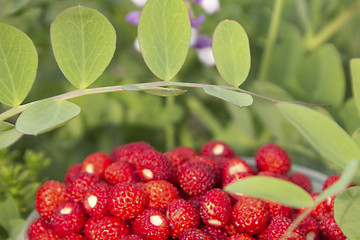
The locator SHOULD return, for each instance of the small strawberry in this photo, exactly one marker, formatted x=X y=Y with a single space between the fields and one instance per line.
x=193 y=234
x=48 y=197
x=176 y=160
x=277 y=209
x=319 y=211
x=126 y=200
x=119 y=172
x=278 y=227
x=196 y=178
x=106 y=228
x=240 y=236
x=234 y=166
x=271 y=157
x=130 y=152
x=181 y=215
x=250 y=215
x=77 y=188
x=47 y=235
x=214 y=233
x=37 y=227
x=309 y=226
x=301 y=180
x=215 y=208
x=74 y=236
x=131 y=237
x=69 y=217
x=229 y=228
x=211 y=163
x=273 y=174
x=186 y=152
x=96 y=200
x=73 y=172
x=217 y=149
x=96 y=163
x=235 y=177
x=160 y=193
x=330 y=180
x=330 y=229
x=151 y=224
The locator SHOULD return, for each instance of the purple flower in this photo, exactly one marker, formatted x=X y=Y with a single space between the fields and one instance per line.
x=202 y=42
x=198 y=21
x=133 y=17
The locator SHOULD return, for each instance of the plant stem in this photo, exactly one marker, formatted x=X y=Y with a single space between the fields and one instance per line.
x=330 y=29
x=271 y=38
x=169 y=129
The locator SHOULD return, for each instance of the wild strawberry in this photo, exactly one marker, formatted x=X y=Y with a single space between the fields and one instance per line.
x=77 y=188
x=119 y=172
x=235 y=177
x=240 y=236
x=96 y=163
x=277 y=209
x=217 y=149
x=151 y=224
x=319 y=211
x=96 y=200
x=106 y=228
x=160 y=193
x=69 y=217
x=196 y=178
x=130 y=152
x=126 y=201
x=215 y=208
x=330 y=229
x=176 y=160
x=73 y=172
x=47 y=234
x=186 y=152
x=211 y=163
x=278 y=227
x=193 y=234
x=309 y=226
x=74 y=236
x=37 y=227
x=330 y=180
x=250 y=215
x=48 y=197
x=195 y=201
x=301 y=180
x=214 y=233
x=272 y=174
x=271 y=157
x=131 y=237
x=152 y=165
x=181 y=215
x=234 y=166
x=229 y=228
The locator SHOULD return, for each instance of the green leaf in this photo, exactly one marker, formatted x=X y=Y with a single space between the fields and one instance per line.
x=9 y=210
x=164 y=36
x=83 y=42
x=356 y=136
x=237 y=98
x=231 y=52
x=325 y=135
x=347 y=212
x=8 y=137
x=46 y=115
x=272 y=189
x=16 y=226
x=355 y=80
x=159 y=91
x=5 y=126
x=18 y=65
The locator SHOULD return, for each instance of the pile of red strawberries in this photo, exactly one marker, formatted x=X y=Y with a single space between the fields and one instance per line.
x=137 y=192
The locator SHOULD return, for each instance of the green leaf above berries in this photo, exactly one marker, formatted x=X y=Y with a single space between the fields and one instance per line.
x=46 y=115
x=325 y=135
x=164 y=36
x=83 y=42
x=18 y=65
x=159 y=91
x=355 y=80
x=231 y=52
x=237 y=98
x=347 y=212
x=273 y=189
x=6 y=126
x=356 y=136
x=9 y=137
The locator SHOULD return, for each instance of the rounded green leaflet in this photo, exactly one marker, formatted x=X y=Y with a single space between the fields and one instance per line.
x=18 y=65
x=46 y=115
x=9 y=137
x=231 y=52
x=237 y=98
x=83 y=42
x=164 y=36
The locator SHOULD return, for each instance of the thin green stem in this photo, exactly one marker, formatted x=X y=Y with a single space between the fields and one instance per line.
x=169 y=129
x=271 y=38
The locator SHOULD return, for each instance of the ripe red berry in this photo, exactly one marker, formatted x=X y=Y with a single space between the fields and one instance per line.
x=181 y=215
x=309 y=226
x=126 y=201
x=301 y=180
x=273 y=174
x=215 y=208
x=47 y=234
x=277 y=209
x=330 y=180
x=48 y=197
x=69 y=217
x=96 y=200
x=193 y=234
x=74 y=236
x=131 y=237
x=119 y=172
x=196 y=178
x=235 y=177
x=214 y=233
x=160 y=193
x=217 y=149
x=130 y=152
x=330 y=229
x=106 y=228
x=37 y=227
x=77 y=188
x=234 y=166
x=211 y=163
x=186 y=152
x=229 y=228
x=151 y=224
x=271 y=157
x=176 y=160
x=96 y=163
x=73 y=172
x=240 y=236
x=250 y=215
x=278 y=227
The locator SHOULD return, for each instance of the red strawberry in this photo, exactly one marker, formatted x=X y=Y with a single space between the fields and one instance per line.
x=211 y=163
x=131 y=237
x=96 y=200
x=215 y=208
x=106 y=228
x=181 y=215
x=186 y=152
x=240 y=236
x=119 y=172
x=73 y=172
x=126 y=201
x=278 y=227
x=217 y=149
x=47 y=235
x=96 y=163
x=270 y=157
x=277 y=209
x=214 y=233
x=319 y=211
x=152 y=165
x=330 y=229
x=130 y=152
x=195 y=201
x=48 y=197
x=69 y=217
x=229 y=228
x=193 y=234
x=74 y=236
x=250 y=215
x=176 y=160
x=235 y=177
x=234 y=166
x=309 y=226
x=77 y=188
x=196 y=178
x=272 y=174
x=151 y=224
x=301 y=180
x=160 y=193
x=331 y=180
x=37 y=227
